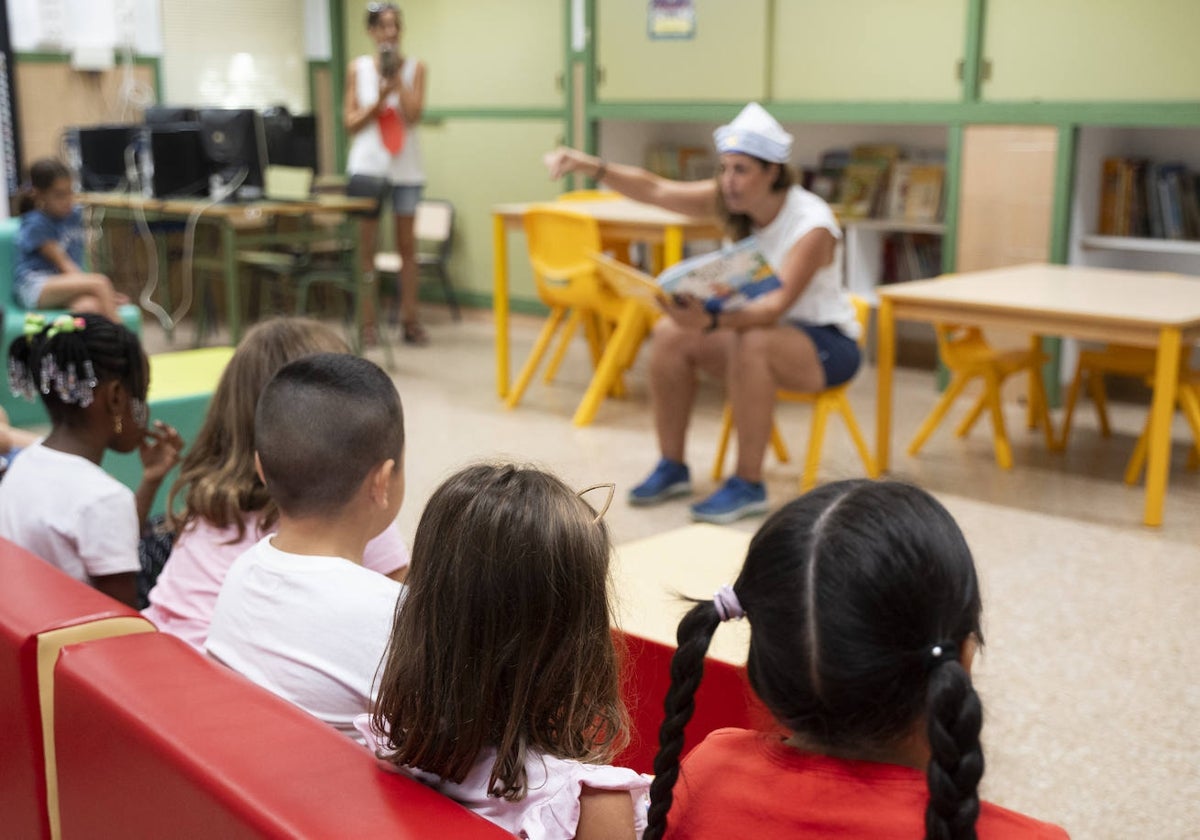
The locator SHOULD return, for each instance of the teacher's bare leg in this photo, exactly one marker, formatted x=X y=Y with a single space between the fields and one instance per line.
x=764 y=360
x=675 y=356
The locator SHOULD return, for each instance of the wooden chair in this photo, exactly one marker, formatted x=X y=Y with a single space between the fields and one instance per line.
x=968 y=356
x=835 y=399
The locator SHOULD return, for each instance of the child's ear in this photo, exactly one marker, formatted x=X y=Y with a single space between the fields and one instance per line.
x=381 y=482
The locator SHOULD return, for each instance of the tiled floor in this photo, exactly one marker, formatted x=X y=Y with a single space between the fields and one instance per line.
x=1089 y=672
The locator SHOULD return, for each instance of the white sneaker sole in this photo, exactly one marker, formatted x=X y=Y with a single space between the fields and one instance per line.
x=754 y=509
x=673 y=491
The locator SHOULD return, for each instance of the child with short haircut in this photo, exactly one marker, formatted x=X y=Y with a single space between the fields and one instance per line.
x=50 y=249
x=298 y=614
x=864 y=612
x=226 y=507
x=55 y=500
x=500 y=685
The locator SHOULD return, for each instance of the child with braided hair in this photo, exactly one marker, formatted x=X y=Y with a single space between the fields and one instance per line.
x=864 y=613
x=55 y=500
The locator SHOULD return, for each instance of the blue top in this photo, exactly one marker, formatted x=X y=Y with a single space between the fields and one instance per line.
x=36 y=230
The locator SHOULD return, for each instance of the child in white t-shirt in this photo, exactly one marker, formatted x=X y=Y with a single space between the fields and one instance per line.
x=298 y=614
x=55 y=500
x=500 y=686
x=226 y=508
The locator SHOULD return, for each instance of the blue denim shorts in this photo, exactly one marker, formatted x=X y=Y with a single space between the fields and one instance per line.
x=405 y=198
x=28 y=287
x=839 y=354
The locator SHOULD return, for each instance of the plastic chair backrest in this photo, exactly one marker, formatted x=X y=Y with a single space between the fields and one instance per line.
x=434 y=220
x=956 y=343
x=561 y=245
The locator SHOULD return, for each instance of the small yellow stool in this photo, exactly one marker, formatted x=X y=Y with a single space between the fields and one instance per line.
x=181 y=386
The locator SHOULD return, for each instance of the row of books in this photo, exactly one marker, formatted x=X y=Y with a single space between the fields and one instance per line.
x=1155 y=200
x=879 y=181
x=680 y=163
x=911 y=256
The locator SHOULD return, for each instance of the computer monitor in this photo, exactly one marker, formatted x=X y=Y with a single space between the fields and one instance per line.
x=103 y=156
x=180 y=166
x=169 y=114
x=291 y=138
x=235 y=143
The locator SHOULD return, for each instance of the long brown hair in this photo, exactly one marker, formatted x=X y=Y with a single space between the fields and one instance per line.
x=739 y=225
x=217 y=478
x=504 y=639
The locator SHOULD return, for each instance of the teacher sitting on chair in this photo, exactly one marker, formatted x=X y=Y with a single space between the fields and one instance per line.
x=800 y=336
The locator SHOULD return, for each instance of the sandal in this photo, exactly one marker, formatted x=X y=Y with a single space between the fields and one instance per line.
x=415 y=334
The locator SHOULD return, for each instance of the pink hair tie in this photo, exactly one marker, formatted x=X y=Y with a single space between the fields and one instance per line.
x=727 y=604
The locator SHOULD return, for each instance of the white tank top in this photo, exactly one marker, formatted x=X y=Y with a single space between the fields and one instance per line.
x=368 y=155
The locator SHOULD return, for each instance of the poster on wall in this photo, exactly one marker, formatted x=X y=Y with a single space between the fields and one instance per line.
x=673 y=20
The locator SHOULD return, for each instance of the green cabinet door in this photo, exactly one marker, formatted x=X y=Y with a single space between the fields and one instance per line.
x=867 y=50
x=478 y=163
x=725 y=60
x=479 y=53
x=1092 y=50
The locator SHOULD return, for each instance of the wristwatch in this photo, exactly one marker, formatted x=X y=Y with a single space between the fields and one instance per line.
x=712 y=321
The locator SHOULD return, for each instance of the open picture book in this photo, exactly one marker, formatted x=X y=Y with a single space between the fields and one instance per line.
x=725 y=279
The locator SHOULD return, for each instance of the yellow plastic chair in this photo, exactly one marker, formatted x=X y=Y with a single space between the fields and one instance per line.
x=826 y=401
x=617 y=246
x=1111 y=360
x=967 y=355
x=633 y=293
x=1187 y=397
x=561 y=245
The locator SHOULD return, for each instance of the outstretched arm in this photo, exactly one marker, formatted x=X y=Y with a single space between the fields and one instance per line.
x=692 y=198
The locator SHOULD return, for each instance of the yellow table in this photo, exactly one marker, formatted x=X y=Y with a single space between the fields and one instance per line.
x=1127 y=307
x=619 y=218
x=241 y=225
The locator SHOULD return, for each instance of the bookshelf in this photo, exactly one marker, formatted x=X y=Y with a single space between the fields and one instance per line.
x=1139 y=243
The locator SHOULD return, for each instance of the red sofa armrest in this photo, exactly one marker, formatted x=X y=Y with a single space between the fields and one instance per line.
x=41 y=609
x=156 y=740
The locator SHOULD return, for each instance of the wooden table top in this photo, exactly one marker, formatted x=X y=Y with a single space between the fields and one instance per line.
x=186 y=206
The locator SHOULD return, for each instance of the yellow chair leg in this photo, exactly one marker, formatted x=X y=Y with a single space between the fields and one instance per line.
x=594 y=338
x=968 y=422
x=999 y=435
x=938 y=414
x=608 y=369
x=777 y=444
x=1137 y=458
x=856 y=435
x=718 y=468
x=564 y=341
x=1069 y=405
x=1189 y=401
x=1100 y=400
x=535 y=357
x=816 y=438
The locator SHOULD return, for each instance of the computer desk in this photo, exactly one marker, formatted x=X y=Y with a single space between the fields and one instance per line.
x=240 y=226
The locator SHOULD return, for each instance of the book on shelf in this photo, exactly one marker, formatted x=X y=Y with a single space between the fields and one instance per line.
x=827 y=180
x=862 y=184
x=911 y=256
x=679 y=163
x=1142 y=198
x=725 y=279
x=923 y=198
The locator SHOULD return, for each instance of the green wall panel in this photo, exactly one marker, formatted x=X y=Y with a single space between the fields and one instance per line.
x=867 y=50
x=725 y=61
x=1099 y=50
x=477 y=164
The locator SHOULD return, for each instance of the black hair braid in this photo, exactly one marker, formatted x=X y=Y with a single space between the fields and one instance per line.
x=687 y=668
x=956 y=760
x=65 y=364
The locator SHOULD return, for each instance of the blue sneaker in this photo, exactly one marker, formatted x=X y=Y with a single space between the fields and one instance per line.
x=669 y=479
x=733 y=500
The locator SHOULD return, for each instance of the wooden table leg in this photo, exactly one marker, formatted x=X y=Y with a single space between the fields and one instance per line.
x=885 y=364
x=233 y=297
x=500 y=301
x=1162 y=409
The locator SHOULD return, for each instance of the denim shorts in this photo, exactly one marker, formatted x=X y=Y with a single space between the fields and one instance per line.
x=405 y=198
x=839 y=354
x=28 y=287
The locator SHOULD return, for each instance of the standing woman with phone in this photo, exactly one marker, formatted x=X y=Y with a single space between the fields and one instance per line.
x=385 y=95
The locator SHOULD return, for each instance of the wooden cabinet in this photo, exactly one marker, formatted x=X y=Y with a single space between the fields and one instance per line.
x=725 y=61
x=1092 y=50
x=867 y=50
x=479 y=53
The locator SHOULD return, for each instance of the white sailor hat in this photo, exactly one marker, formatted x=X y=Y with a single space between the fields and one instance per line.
x=755 y=132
